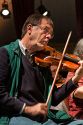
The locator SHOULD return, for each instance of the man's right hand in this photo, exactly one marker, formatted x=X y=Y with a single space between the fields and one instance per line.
x=38 y=109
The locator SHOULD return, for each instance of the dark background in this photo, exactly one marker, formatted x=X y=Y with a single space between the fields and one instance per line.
x=66 y=14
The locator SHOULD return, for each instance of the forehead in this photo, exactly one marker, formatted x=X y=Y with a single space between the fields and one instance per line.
x=46 y=22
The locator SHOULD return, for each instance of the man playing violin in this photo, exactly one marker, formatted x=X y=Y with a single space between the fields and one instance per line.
x=23 y=84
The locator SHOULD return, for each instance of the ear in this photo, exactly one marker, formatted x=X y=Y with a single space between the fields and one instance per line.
x=29 y=28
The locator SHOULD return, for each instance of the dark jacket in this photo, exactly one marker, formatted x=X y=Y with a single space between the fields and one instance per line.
x=9 y=78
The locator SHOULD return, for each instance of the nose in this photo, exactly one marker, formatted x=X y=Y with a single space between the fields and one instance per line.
x=48 y=36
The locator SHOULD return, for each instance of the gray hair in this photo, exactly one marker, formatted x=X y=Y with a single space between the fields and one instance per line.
x=79 y=49
x=34 y=20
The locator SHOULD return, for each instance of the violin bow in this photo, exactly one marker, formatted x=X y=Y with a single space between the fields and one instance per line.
x=58 y=68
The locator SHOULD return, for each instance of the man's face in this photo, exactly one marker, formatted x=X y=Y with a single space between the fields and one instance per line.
x=41 y=34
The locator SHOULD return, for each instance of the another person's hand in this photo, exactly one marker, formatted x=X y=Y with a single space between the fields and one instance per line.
x=38 y=109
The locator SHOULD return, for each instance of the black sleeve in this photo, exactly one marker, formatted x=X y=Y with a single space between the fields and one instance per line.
x=7 y=104
x=62 y=92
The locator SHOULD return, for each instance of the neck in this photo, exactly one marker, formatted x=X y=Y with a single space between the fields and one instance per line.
x=26 y=42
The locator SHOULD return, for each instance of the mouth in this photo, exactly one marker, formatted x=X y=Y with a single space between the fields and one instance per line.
x=44 y=43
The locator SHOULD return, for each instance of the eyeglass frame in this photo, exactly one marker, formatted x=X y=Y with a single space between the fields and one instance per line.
x=46 y=30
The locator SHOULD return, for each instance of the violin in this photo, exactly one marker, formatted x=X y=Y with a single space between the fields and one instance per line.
x=49 y=56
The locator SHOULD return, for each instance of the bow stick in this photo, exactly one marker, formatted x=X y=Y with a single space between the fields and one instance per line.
x=58 y=68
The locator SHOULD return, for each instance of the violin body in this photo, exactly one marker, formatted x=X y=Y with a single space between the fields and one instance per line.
x=70 y=61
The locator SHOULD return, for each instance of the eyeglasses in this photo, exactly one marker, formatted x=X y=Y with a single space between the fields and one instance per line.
x=46 y=30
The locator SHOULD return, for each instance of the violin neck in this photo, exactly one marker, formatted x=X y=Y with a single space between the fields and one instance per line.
x=66 y=57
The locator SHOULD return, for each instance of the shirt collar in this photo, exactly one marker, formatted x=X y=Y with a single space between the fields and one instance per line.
x=22 y=47
x=26 y=52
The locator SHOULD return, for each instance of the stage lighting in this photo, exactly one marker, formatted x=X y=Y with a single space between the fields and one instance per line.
x=5 y=12
x=42 y=9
